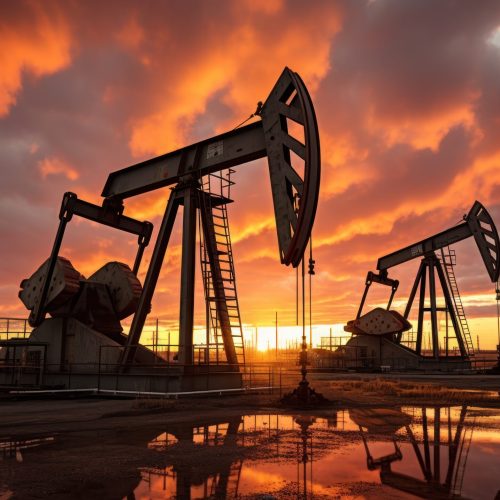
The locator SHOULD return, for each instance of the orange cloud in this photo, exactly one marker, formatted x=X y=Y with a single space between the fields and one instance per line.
x=241 y=64
x=56 y=166
x=37 y=42
x=408 y=123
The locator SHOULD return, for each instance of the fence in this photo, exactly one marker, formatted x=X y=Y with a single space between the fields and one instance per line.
x=22 y=368
x=11 y=328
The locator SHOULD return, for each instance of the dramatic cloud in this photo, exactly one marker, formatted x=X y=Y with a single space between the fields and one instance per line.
x=408 y=102
x=36 y=42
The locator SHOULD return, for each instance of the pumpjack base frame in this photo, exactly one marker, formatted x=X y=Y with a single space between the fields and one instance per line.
x=72 y=355
x=136 y=381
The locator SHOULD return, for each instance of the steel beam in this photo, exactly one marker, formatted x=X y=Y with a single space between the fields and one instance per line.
x=432 y=297
x=151 y=277
x=186 y=315
x=109 y=216
x=477 y=223
x=217 y=153
x=440 y=240
x=421 y=306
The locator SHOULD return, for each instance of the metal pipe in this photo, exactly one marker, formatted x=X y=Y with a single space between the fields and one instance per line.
x=142 y=393
x=432 y=295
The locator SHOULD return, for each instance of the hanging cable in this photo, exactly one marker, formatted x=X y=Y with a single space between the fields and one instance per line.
x=497 y=291
x=254 y=114
x=296 y=206
x=304 y=338
x=297 y=295
x=311 y=273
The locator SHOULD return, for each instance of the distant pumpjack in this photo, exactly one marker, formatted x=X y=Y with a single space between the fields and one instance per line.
x=478 y=224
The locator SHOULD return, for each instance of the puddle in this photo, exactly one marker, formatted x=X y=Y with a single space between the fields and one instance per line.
x=14 y=449
x=408 y=452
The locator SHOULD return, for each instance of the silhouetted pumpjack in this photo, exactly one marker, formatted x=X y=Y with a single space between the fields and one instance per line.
x=286 y=132
x=478 y=224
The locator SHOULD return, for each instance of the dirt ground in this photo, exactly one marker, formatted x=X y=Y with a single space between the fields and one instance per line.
x=100 y=444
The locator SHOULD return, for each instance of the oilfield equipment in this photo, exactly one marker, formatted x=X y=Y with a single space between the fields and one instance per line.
x=221 y=475
x=440 y=430
x=85 y=331
x=384 y=334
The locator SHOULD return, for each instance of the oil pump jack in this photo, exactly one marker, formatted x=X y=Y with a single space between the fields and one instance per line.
x=294 y=168
x=477 y=224
x=451 y=432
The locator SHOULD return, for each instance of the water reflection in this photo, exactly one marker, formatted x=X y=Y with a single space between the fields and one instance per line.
x=13 y=449
x=439 y=478
x=431 y=452
x=193 y=475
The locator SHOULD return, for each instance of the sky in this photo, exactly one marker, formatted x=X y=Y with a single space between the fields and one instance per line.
x=407 y=96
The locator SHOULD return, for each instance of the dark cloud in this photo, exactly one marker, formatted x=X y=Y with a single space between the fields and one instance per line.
x=407 y=100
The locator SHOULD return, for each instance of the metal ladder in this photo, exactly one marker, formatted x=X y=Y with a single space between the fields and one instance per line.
x=449 y=260
x=224 y=328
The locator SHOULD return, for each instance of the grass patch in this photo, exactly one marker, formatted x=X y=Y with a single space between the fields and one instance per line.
x=411 y=390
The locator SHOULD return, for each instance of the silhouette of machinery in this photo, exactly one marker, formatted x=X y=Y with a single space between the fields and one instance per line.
x=285 y=131
x=433 y=269
x=380 y=421
x=220 y=475
x=432 y=484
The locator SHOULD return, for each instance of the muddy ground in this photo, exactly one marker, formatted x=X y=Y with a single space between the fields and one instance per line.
x=100 y=444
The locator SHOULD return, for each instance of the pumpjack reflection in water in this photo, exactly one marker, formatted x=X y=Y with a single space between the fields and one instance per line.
x=457 y=438
x=194 y=445
x=206 y=459
x=305 y=455
x=422 y=451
